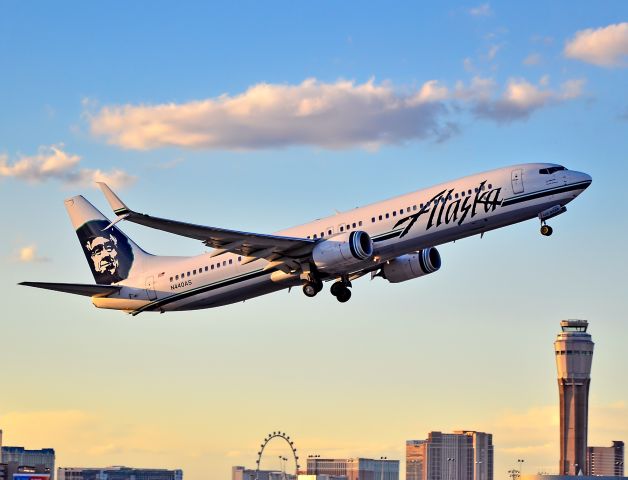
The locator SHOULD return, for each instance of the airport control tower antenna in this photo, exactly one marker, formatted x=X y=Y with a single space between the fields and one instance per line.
x=574 y=353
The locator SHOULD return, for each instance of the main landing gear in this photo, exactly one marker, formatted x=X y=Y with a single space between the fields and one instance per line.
x=311 y=288
x=340 y=290
x=546 y=230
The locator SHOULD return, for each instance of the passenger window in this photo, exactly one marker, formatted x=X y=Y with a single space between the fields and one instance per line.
x=470 y=191
x=414 y=207
x=224 y=263
x=177 y=277
x=476 y=190
x=394 y=213
x=329 y=232
x=456 y=195
x=490 y=186
x=212 y=266
x=360 y=223
x=353 y=224
x=342 y=229
x=372 y=219
x=308 y=236
x=206 y=269
x=239 y=259
x=218 y=265
x=193 y=272
x=348 y=227
x=322 y=234
x=315 y=236
x=231 y=261
x=401 y=212
x=188 y=274
x=462 y=193
x=380 y=217
x=387 y=216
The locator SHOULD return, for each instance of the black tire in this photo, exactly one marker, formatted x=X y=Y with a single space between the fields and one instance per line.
x=344 y=295
x=336 y=288
x=550 y=231
x=546 y=230
x=310 y=290
x=319 y=285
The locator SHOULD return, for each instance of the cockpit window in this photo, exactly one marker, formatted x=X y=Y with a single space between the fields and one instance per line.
x=550 y=170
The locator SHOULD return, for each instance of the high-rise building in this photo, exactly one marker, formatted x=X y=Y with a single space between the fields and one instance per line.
x=354 y=468
x=462 y=455
x=606 y=461
x=20 y=460
x=574 y=353
x=119 y=473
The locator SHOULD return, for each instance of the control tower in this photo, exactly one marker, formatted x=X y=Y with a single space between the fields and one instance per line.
x=574 y=353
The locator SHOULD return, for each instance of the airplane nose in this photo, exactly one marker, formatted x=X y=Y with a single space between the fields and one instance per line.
x=586 y=178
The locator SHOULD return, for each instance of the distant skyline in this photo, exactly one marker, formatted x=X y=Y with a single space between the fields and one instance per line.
x=258 y=116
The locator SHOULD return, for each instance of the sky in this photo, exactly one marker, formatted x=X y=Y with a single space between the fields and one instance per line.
x=262 y=115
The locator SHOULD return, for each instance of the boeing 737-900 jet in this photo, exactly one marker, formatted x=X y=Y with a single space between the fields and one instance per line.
x=395 y=239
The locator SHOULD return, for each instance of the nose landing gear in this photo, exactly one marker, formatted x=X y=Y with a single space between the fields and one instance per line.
x=546 y=230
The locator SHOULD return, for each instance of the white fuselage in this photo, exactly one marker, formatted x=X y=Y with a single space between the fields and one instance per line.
x=401 y=225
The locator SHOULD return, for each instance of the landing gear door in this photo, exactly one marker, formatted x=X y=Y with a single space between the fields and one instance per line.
x=517 y=181
x=150 y=288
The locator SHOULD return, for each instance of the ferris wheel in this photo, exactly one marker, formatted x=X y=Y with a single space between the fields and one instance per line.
x=267 y=440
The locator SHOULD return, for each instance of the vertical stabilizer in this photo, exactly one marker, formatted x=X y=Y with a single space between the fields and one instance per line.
x=110 y=254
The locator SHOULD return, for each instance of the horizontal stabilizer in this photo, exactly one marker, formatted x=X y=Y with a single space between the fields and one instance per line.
x=84 y=289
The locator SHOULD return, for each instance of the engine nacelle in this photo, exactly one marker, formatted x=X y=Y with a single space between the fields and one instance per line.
x=341 y=252
x=413 y=265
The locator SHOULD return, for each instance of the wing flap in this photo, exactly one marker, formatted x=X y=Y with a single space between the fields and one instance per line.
x=85 y=289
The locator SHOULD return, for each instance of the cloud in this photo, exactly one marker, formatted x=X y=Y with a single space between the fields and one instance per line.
x=532 y=59
x=483 y=10
x=52 y=163
x=28 y=254
x=328 y=115
x=519 y=99
x=604 y=47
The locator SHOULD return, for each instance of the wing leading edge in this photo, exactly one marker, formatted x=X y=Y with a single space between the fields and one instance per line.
x=282 y=252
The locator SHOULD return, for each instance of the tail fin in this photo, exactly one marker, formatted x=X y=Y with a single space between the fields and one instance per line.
x=111 y=255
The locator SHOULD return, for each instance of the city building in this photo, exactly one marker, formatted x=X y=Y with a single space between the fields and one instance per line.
x=573 y=349
x=606 y=461
x=119 y=473
x=354 y=468
x=243 y=473
x=462 y=455
x=19 y=460
x=321 y=477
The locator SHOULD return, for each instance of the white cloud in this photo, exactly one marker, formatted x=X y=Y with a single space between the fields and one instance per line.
x=483 y=10
x=28 y=254
x=519 y=99
x=605 y=46
x=532 y=59
x=51 y=162
x=329 y=115
x=326 y=115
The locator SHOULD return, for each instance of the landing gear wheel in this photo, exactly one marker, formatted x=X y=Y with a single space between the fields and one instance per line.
x=344 y=295
x=311 y=289
x=546 y=230
x=336 y=288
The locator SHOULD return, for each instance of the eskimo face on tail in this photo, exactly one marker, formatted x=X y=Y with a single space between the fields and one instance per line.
x=108 y=252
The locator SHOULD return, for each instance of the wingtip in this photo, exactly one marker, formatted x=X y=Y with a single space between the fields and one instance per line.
x=117 y=205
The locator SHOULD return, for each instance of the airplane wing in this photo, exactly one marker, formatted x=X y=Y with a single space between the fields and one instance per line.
x=282 y=252
x=85 y=289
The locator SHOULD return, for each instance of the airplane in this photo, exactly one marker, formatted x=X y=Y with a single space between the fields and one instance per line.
x=394 y=239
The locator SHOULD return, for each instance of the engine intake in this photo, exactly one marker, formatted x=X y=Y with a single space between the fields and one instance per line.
x=413 y=265
x=340 y=253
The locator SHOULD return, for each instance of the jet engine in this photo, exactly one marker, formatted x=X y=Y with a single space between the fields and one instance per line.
x=413 y=265
x=338 y=254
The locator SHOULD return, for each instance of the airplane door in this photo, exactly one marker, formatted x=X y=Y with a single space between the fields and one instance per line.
x=517 y=181
x=150 y=288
